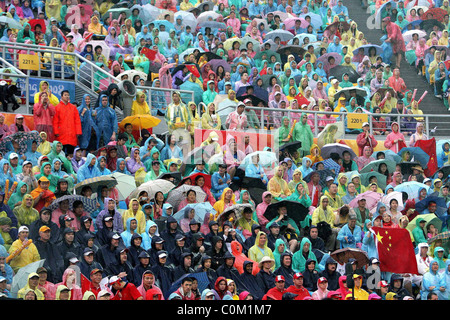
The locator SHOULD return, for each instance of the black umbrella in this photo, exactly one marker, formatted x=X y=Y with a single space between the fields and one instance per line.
x=174 y=177
x=291 y=146
x=323 y=174
x=291 y=49
x=209 y=56
x=255 y=187
x=190 y=65
x=267 y=80
x=445 y=170
x=406 y=167
x=339 y=71
x=255 y=100
x=295 y=210
x=382 y=92
x=428 y=25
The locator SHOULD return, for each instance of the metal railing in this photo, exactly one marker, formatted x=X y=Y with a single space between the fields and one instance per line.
x=270 y=119
x=14 y=76
x=163 y=96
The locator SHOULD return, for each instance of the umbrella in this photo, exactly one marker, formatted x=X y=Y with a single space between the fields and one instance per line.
x=116 y=13
x=191 y=67
x=96 y=182
x=445 y=169
x=316 y=19
x=324 y=59
x=13 y=24
x=267 y=80
x=440 y=202
x=174 y=177
x=412 y=25
x=338 y=25
x=188 y=19
x=411 y=188
x=176 y=195
x=237 y=209
x=374 y=166
x=325 y=134
x=256 y=100
x=417 y=154
x=439 y=48
x=140 y=121
x=343 y=255
x=228 y=44
x=198 y=153
x=200 y=209
x=283 y=15
x=381 y=179
x=255 y=187
x=207 y=178
x=284 y=35
x=328 y=164
x=372 y=199
x=291 y=49
x=408 y=35
x=152 y=187
x=201 y=6
x=264 y=22
x=272 y=45
x=441 y=236
x=386 y=199
x=105 y=48
x=348 y=92
x=340 y=70
x=247 y=39
x=338 y=148
x=382 y=9
x=388 y=155
x=428 y=25
x=323 y=174
x=266 y=159
x=436 y=13
x=290 y=23
x=367 y=48
x=291 y=146
x=430 y=218
x=164 y=13
x=302 y=36
x=20 y=279
x=213 y=25
x=268 y=53
x=295 y=210
x=169 y=25
x=23 y=138
x=41 y=22
x=204 y=16
x=125 y=184
x=90 y=205
x=215 y=63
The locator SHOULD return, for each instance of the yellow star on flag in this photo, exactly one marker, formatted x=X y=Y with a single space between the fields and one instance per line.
x=379 y=237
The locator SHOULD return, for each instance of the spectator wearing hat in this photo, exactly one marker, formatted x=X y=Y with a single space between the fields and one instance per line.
x=44 y=220
x=265 y=277
x=220 y=180
x=88 y=262
x=279 y=288
x=68 y=244
x=19 y=125
x=141 y=267
x=163 y=274
x=7 y=233
x=48 y=288
x=54 y=260
x=357 y=291
x=4 y=291
x=331 y=274
x=23 y=257
x=298 y=288
x=32 y=283
x=106 y=255
x=237 y=120
x=121 y=267
x=104 y=295
x=322 y=289
x=124 y=290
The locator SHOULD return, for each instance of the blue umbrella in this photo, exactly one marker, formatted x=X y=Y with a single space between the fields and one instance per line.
x=413 y=24
x=381 y=10
x=367 y=48
x=202 y=278
x=328 y=164
x=169 y=25
x=411 y=188
x=316 y=19
x=374 y=166
x=201 y=209
x=190 y=86
x=417 y=155
x=422 y=205
x=388 y=155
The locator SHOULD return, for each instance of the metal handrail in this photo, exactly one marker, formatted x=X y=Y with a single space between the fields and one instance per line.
x=18 y=74
x=29 y=45
x=150 y=89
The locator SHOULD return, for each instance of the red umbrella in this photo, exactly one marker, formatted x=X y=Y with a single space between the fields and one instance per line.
x=343 y=255
x=207 y=178
x=435 y=13
x=40 y=22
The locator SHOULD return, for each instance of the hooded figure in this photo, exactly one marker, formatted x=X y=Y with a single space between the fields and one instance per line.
x=248 y=279
x=89 y=169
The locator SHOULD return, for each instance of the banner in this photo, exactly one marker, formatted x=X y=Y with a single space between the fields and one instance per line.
x=56 y=87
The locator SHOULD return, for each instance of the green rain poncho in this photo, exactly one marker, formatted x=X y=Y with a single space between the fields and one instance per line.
x=299 y=259
x=52 y=178
x=283 y=132
x=302 y=132
x=54 y=154
x=25 y=216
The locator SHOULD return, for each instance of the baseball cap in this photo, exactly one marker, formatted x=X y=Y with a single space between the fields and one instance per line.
x=44 y=228
x=103 y=293
x=162 y=254
x=23 y=229
x=93 y=271
x=298 y=275
x=357 y=276
x=108 y=218
x=88 y=251
x=279 y=278
x=330 y=178
x=323 y=279
x=67 y=218
x=426 y=180
x=74 y=260
x=116 y=236
x=13 y=155
x=114 y=279
x=26 y=162
x=365 y=124
x=40 y=270
x=383 y=283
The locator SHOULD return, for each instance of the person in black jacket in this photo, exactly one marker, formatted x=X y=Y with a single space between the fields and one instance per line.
x=317 y=243
x=184 y=267
x=310 y=275
x=331 y=274
x=69 y=245
x=229 y=271
x=249 y=281
x=206 y=264
x=45 y=219
x=103 y=233
x=216 y=252
x=197 y=249
x=85 y=224
x=175 y=254
x=54 y=261
x=213 y=231
x=88 y=263
x=250 y=241
x=106 y=255
x=194 y=227
x=274 y=235
x=135 y=249
x=142 y=266
x=285 y=268
x=169 y=234
x=163 y=274
x=158 y=244
x=265 y=277
x=121 y=267
x=396 y=286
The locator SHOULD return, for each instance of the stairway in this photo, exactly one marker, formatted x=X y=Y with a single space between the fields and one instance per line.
x=430 y=104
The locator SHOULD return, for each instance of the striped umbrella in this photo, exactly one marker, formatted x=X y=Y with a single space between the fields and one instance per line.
x=90 y=205
x=96 y=182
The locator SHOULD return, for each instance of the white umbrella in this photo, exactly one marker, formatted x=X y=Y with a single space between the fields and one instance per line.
x=20 y=279
x=13 y=24
x=188 y=19
x=204 y=16
x=151 y=187
x=394 y=195
x=282 y=34
x=408 y=35
x=177 y=195
x=336 y=148
x=323 y=137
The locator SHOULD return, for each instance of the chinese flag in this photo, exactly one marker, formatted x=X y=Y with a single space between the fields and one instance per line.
x=85 y=283
x=150 y=54
x=429 y=146
x=301 y=100
x=193 y=69
x=395 y=250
